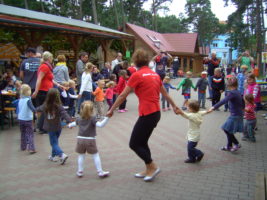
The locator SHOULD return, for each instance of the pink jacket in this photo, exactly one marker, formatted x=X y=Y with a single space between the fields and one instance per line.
x=109 y=93
x=254 y=89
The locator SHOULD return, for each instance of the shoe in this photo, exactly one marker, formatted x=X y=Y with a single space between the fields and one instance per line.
x=140 y=175
x=164 y=109
x=200 y=158
x=63 y=159
x=225 y=110
x=125 y=109
x=225 y=148
x=103 y=174
x=264 y=115
x=121 y=111
x=235 y=148
x=189 y=161
x=79 y=174
x=244 y=138
x=252 y=140
x=32 y=152
x=150 y=178
x=53 y=159
x=169 y=108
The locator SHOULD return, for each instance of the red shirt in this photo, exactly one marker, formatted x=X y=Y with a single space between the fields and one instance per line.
x=250 y=111
x=121 y=85
x=146 y=84
x=47 y=81
x=132 y=69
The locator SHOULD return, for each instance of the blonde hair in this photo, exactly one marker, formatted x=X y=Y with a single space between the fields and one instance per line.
x=189 y=73
x=87 y=109
x=110 y=83
x=123 y=72
x=25 y=90
x=244 y=67
x=167 y=78
x=46 y=56
x=71 y=82
x=66 y=84
x=140 y=58
x=61 y=58
x=101 y=82
x=217 y=70
x=89 y=66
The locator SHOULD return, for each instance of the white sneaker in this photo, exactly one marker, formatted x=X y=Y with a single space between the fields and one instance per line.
x=63 y=158
x=53 y=159
x=103 y=174
x=263 y=115
x=79 y=174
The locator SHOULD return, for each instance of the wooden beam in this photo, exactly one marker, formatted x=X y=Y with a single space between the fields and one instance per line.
x=76 y=43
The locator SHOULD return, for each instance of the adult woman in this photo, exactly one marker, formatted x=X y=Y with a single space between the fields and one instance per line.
x=45 y=81
x=147 y=86
x=86 y=84
x=61 y=72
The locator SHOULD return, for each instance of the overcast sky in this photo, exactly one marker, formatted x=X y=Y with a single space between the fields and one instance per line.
x=217 y=7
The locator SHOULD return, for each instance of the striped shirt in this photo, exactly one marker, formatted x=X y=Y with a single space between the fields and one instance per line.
x=250 y=111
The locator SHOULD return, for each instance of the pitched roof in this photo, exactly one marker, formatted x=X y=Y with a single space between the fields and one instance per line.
x=170 y=42
x=52 y=21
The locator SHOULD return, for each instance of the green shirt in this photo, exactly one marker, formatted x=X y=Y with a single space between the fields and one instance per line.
x=246 y=61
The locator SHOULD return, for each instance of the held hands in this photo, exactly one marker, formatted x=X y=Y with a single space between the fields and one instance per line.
x=109 y=114
x=177 y=110
x=210 y=110
x=34 y=94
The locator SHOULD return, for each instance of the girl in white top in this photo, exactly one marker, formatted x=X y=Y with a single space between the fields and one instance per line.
x=193 y=134
x=86 y=88
x=86 y=139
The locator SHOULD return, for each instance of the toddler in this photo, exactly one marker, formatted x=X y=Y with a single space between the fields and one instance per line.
x=186 y=85
x=109 y=93
x=73 y=96
x=217 y=86
x=254 y=89
x=99 y=98
x=250 y=117
x=193 y=134
x=201 y=85
x=167 y=86
x=25 y=111
x=86 y=139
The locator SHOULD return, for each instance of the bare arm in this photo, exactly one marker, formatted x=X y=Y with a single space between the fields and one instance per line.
x=38 y=83
x=119 y=100
x=21 y=75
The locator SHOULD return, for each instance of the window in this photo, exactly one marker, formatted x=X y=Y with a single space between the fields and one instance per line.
x=215 y=45
x=226 y=45
x=155 y=41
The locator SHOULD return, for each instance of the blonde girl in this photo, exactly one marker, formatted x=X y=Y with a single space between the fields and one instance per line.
x=25 y=116
x=86 y=139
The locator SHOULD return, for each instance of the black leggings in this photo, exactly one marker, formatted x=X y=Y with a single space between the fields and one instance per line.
x=142 y=130
x=123 y=105
x=231 y=139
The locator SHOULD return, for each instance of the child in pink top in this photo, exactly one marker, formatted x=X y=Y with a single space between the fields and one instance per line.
x=250 y=117
x=109 y=93
x=254 y=89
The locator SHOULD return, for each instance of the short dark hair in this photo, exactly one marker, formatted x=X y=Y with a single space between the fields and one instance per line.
x=82 y=54
x=193 y=105
x=31 y=50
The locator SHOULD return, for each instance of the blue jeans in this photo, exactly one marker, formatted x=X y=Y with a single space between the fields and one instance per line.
x=71 y=111
x=86 y=96
x=249 y=127
x=193 y=152
x=163 y=99
x=210 y=81
x=53 y=137
x=202 y=99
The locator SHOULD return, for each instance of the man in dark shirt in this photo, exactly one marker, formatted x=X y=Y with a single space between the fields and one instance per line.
x=29 y=68
x=212 y=63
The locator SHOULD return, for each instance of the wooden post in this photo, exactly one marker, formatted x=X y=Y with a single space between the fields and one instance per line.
x=106 y=46
x=76 y=43
x=33 y=38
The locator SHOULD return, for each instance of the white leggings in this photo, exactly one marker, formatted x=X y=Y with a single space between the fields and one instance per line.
x=97 y=162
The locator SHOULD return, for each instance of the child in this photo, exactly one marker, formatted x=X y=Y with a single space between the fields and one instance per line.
x=120 y=87
x=201 y=85
x=241 y=77
x=86 y=141
x=64 y=96
x=193 y=135
x=250 y=117
x=234 y=123
x=25 y=116
x=217 y=86
x=226 y=92
x=99 y=98
x=254 y=89
x=109 y=93
x=113 y=78
x=186 y=85
x=72 y=94
x=53 y=112
x=167 y=85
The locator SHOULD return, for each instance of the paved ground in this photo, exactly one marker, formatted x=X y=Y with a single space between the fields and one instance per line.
x=221 y=175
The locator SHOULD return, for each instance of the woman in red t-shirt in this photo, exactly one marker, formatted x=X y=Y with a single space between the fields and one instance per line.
x=45 y=81
x=147 y=87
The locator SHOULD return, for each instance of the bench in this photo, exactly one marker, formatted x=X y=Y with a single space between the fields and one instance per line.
x=261 y=186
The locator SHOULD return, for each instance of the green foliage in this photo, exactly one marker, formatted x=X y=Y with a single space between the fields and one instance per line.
x=171 y=24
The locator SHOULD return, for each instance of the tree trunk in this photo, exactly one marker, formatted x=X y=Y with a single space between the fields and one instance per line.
x=42 y=5
x=259 y=35
x=26 y=4
x=123 y=17
x=116 y=13
x=154 y=15
x=80 y=15
x=94 y=11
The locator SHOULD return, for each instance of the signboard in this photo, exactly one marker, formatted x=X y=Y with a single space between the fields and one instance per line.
x=128 y=54
x=264 y=57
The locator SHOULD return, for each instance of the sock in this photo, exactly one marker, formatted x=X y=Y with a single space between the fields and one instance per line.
x=97 y=161
x=81 y=158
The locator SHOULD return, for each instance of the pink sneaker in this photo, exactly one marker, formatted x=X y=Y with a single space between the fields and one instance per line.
x=125 y=109
x=164 y=109
x=121 y=111
x=169 y=108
